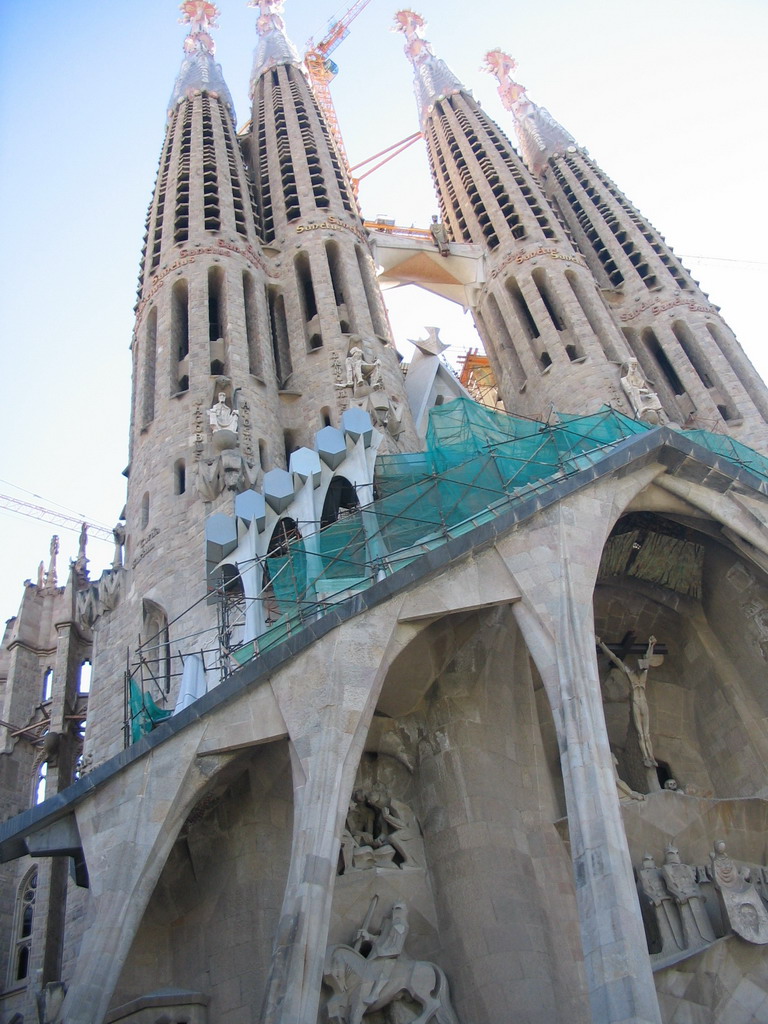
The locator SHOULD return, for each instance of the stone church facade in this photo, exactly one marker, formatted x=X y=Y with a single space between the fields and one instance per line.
x=364 y=727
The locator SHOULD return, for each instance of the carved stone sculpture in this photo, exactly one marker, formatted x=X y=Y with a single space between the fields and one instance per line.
x=376 y=971
x=440 y=236
x=118 y=536
x=644 y=401
x=682 y=884
x=398 y=826
x=363 y=371
x=221 y=417
x=625 y=792
x=740 y=900
x=639 y=702
x=654 y=893
x=380 y=828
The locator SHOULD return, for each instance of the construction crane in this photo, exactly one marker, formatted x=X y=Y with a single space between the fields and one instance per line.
x=322 y=70
x=49 y=515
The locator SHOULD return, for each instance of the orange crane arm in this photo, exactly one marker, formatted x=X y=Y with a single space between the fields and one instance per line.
x=320 y=71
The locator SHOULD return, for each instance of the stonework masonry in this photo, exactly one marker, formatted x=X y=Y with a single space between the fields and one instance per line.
x=502 y=756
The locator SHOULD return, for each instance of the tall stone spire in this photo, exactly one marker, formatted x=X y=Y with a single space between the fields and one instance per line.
x=433 y=79
x=546 y=331
x=199 y=71
x=540 y=135
x=274 y=46
x=324 y=300
x=683 y=346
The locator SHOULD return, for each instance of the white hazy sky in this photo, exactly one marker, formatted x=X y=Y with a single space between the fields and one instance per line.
x=668 y=95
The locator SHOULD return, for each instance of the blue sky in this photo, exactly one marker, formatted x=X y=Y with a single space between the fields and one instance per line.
x=668 y=95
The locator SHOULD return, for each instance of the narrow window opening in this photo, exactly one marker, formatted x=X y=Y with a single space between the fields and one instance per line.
x=48 y=684
x=217 y=368
x=262 y=453
x=180 y=336
x=652 y=343
x=289 y=445
x=41 y=780
x=372 y=296
x=22 y=929
x=150 y=365
x=572 y=352
x=84 y=677
x=156 y=646
x=545 y=360
x=215 y=303
x=325 y=417
x=145 y=510
x=548 y=298
x=279 y=336
x=524 y=314
x=251 y=325
x=688 y=345
x=179 y=477
x=306 y=288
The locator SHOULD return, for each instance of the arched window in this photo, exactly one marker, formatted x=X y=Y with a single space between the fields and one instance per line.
x=340 y=498
x=156 y=645
x=41 y=779
x=21 y=936
x=84 y=681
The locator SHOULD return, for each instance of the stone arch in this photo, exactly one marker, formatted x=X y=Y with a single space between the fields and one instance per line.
x=219 y=893
x=458 y=738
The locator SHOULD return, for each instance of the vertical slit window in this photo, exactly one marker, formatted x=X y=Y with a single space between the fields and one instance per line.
x=338 y=281
x=548 y=298
x=499 y=327
x=216 y=320
x=252 y=325
x=278 y=326
x=365 y=266
x=180 y=337
x=24 y=914
x=179 y=477
x=654 y=347
x=688 y=345
x=150 y=369
x=524 y=314
x=47 y=684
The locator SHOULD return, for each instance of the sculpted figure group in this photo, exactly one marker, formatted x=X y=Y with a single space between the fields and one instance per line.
x=376 y=971
x=380 y=832
x=675 y=897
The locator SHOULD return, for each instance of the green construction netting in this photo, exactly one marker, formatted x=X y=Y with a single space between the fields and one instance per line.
x=732 y=450
x=477 y=463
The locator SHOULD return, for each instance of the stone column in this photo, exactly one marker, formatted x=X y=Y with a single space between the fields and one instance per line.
x=327 y=736
x=562 y=644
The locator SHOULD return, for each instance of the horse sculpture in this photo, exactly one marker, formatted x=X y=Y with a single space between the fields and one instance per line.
x=362 y=986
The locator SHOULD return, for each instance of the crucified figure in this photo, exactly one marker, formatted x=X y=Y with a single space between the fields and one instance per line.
x=637 y=681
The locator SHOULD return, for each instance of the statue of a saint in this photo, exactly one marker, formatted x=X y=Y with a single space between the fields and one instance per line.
x=118 y=536
x=440 y=235
x=398 y=825
x=741 y=902
x=682 y=884
x=221 y=417
x=637 y=681
x=655 y=896
x=364 y=982
x=644 y=401
x=361 y=370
